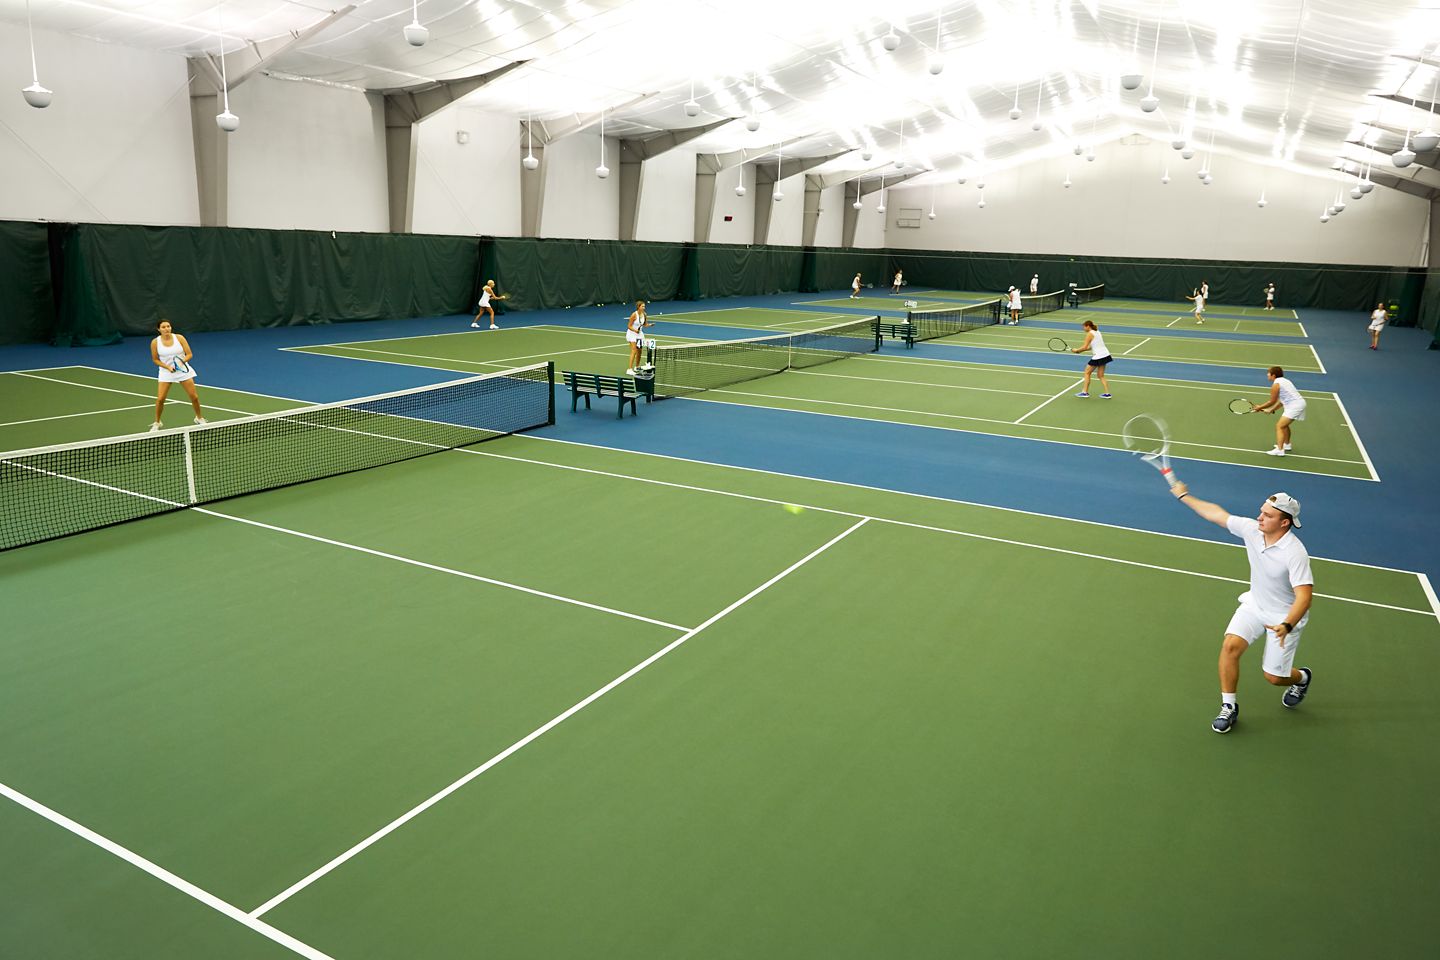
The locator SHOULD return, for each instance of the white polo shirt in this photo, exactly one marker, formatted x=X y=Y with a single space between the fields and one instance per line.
x=1275 y=571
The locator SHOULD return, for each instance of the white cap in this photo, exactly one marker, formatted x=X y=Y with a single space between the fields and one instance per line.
x=1287 y=505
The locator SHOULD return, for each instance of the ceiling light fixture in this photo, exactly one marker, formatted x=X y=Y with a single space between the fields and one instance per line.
x=890 y=41
x=602 y=171
x=752 y=122
x=881 y=207
x=530 y=162
x=1015 y=110
x=415 y=34
x=1131 y=78
x=1150 y=102
x=692 y=108
x=779 y=171
x=35 y=94
x=1165 y=177
x=937 y=59
x=226 y=121
x=932 y=201
x=1039 y=93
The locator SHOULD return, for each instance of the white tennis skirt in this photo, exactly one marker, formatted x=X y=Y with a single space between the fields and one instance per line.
x=170 y=376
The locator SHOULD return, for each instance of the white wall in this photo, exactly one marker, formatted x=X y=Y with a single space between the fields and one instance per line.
x=870 y=227
x=742 y=228
x=667 y=198
x=787 y=217
x=1118 y=207
x=113 y=147
x=470 y=188
x=577 y=203
x=830 y=225
x=307 y=157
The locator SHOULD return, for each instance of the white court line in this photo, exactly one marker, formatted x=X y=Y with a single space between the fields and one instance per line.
x=479 y=451
x=164 y=876
x=1430 y=593
x=133 y=393
x=1138 y=345
x=1302 y=327
x=1051 y=400
x=1295 y=314
x=151 y=379
x=539 y=731
x=917 y=383
x=437 y=568
x=1035 y=345
x=960 y=416
x=1173 y=322
x=1318 y=361
x=1345 y=415
x=86 y=413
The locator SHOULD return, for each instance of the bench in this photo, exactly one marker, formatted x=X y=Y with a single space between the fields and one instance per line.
x=903 y=330
x=624 y=389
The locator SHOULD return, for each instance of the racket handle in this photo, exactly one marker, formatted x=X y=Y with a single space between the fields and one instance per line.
x=1169 y=476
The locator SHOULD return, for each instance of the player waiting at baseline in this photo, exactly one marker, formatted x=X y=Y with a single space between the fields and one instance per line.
x=486 y=295
x=1269 y=296
x=171 y=353
x=1286 y=399
x=1276 y=605
x=855 y=288
x=1015 y=306
x=1035 y=284
x=899 y=282
x=1199 y=299
x=1099 y=357
x=1377 y=323
x=634 y=334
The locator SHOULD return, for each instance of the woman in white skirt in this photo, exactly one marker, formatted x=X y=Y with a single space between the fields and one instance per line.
x=1378 y=316
x=1286 y=400
x=171 y=354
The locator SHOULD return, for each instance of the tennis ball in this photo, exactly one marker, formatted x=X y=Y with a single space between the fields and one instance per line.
x=793 y=508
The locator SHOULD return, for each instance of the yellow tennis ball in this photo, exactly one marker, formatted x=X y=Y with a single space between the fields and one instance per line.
x=793 y=508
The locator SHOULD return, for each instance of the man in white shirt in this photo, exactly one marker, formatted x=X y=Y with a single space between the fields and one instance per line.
x=1035 y=284
x=1276 y=605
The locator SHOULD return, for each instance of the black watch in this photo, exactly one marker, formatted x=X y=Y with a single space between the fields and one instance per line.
x=1289 y=627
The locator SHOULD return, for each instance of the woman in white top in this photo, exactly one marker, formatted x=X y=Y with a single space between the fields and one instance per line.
x=486 y=295
x=855 y=288
x=634 y=334
x=1269 y=296
x=1199 y=299
x=171 y=354
x=1035 y=283
x=1377 y=323
x=1014 y=306
x=899 y=279
x=1286 y=399
x=1099 y=357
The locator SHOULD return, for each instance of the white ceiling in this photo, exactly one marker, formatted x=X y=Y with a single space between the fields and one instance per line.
x=1286 y=82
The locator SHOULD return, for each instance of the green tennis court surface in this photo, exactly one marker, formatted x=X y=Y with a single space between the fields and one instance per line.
x=1181 y=306
x=68 y=404
x=1180 y=321
x=1040 y=405
x=1180 y=349
x=881 y=304
x=861 y=730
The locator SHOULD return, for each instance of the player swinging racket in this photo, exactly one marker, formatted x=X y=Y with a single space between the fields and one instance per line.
x=171 y=354
x=1099 y=357
x=1285 y=398
x=635 y=335
x=1199 y=299
x=486 y=295
x=1277 y=604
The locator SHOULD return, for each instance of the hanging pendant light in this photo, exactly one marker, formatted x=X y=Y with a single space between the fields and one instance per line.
x=752 y=122
x=530 y=162
x=1261 y=202
x=937 y=59
x=1039 y=93
x=1150 y=103
x=1131 y=79
x=1165 y=177
x=779 y=172
x=1405 y=156
x=881 y=207
x=890 y=41
x=692 y=107
x=981 y=204
x=900 y=160
x=415 y=34
x=1015 y=110
x=36 y=95
x=932 y=201
x=739 y=189
x=602 y=171
x=226 y=120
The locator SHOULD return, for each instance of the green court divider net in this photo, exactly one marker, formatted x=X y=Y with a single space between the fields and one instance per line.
x=693 y=367
x=1042 y=303
x=55 y=491
x=932 y=324
x=27 y=305
x=1080 y=295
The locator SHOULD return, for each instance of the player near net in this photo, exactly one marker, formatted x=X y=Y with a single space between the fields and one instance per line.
x=171 y=354
x=1277 y=605
x=635 y=335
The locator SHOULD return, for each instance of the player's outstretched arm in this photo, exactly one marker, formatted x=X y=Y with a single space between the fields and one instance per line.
x=1213 y=512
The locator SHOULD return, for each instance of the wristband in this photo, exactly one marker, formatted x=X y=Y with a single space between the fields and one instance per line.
x=1183 y=495
x=1289 y=627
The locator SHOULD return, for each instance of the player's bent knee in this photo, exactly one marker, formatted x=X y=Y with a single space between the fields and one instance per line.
x=1233 y=646
x=1278 y=681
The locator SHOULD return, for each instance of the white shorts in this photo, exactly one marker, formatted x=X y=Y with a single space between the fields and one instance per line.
x=1295 y=411
x=170 y=376
x=1248 y=625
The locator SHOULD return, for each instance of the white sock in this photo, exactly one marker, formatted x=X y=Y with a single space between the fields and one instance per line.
x=1229 y=698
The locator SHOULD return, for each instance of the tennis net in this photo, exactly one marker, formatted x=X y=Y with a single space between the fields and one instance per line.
x=693 y=367
x=1079 y=295
x=1042 y=303
x=929 y=324
x=55 y=491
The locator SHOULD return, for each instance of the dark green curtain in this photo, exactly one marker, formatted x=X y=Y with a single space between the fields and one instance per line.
x=831 y=268
x=27 y=305
x=721 y=270
x=126 y=278
x=539 y=274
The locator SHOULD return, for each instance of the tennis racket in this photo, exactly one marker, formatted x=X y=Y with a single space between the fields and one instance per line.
x=1147 y=438
x=1058 y=345
x=1240 y=406
x=179 y=365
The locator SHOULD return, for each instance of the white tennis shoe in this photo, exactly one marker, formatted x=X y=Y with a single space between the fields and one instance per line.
x=1275 y=452
x=155 y=427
